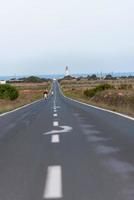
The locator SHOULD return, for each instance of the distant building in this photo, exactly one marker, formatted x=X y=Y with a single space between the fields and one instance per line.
x=2 y=82
x=67 y=71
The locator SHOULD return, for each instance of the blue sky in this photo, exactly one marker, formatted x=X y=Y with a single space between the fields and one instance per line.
x=43 y=36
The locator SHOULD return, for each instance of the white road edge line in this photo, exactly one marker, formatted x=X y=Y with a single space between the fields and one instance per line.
x=6 y=113
x=96 y=107
x=55 y=138
x=53 y=187
x=55 y=123
x=21 y=107
x=55 y=115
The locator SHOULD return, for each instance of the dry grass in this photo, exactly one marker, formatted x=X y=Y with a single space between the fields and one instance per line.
x=120 y=100
x=29 y=92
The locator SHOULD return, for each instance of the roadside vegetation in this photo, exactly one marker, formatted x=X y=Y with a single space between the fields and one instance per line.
x=8 y=92
x=19 y=93
x=99 y=88
x=30 y=79
x=112 y=93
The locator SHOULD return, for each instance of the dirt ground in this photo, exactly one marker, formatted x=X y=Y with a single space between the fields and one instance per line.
x=120 y=100
x=28 y=92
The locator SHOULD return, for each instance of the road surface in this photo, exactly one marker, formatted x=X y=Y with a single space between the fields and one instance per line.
x=60 y=149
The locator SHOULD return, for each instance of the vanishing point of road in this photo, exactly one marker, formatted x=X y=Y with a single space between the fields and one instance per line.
x=61 y=149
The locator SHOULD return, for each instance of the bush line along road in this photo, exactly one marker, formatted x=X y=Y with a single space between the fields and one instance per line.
x=61 y=149
x=27 y=93
x=117 y=95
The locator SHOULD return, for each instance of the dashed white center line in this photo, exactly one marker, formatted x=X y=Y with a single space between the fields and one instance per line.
x=55 y=115
x=55 y=123
x=53 y=187
x=55 y=139
x=55 y=110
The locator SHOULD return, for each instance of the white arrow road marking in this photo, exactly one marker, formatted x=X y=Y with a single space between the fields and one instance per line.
x=55 y=123
x=55 y=138
x=65 y=130
x=53 y=187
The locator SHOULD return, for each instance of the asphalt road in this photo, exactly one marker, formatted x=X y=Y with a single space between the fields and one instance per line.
x=60 y=149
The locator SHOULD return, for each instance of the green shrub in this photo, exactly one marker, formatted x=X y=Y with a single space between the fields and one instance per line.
x=89 y=92
x=92 y=92
x=125 y=86
x=8 y=92
x=103 y=87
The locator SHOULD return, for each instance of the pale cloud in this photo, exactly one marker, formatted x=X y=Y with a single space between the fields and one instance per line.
x=43 y=36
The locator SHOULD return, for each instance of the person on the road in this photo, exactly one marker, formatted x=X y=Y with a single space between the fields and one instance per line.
x=45 y=94
x=52 y=92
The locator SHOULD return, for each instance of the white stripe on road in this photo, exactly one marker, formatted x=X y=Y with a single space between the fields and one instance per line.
x=55 y=139
x=55 y=123
x=20 y=108
x=55 y=110
x=55 y=115
x=53 y=187
x=55 y=107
